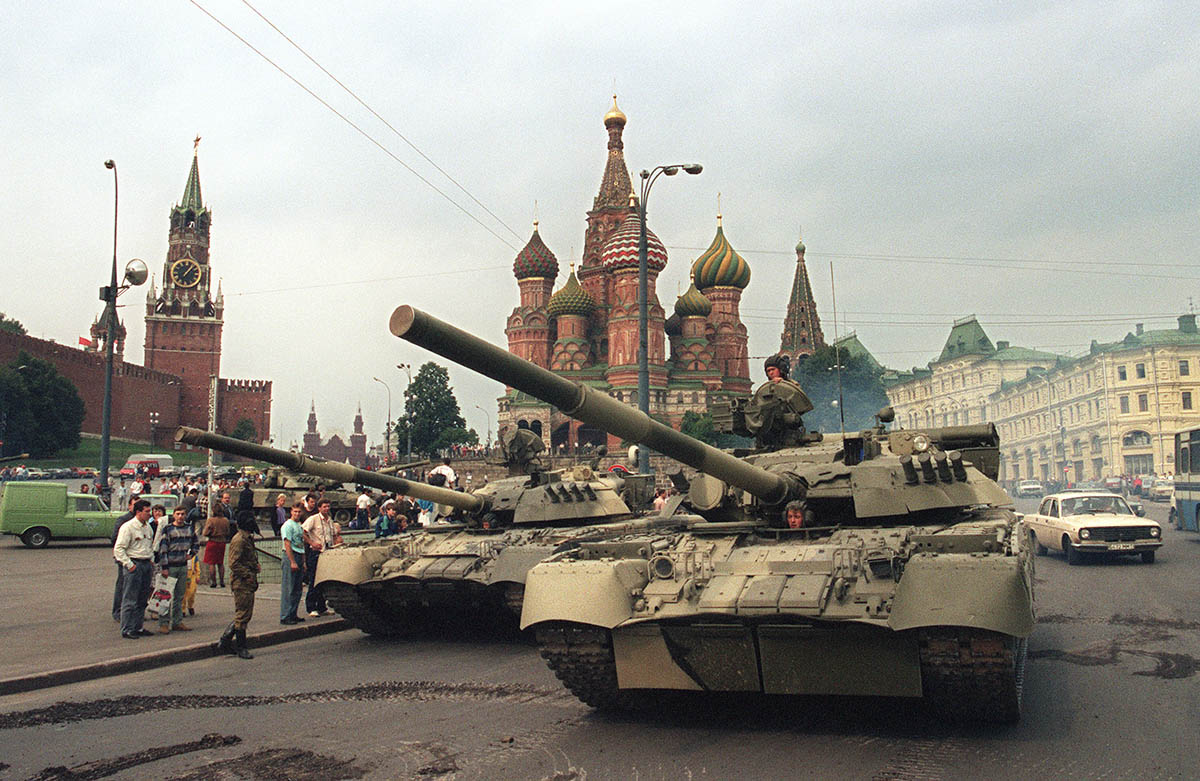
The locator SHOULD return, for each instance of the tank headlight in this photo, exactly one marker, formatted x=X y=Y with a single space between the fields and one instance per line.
x=920 y=443
x=663 y=567
x=1085 y=534
x=1155 y=531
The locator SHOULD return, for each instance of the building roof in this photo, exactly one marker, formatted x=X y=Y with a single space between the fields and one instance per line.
x=693 y=303
x=535 y=259
x=191 y=191
x=801 y=325
x=615 y=187
x=1184 y=334
x=851 y=346
x=720 y=265
x=1014 y=353
x=621 y=249
x=571 y=299
x=966 y=338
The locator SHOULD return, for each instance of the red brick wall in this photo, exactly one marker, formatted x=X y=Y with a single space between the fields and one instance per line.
x=239 y=399
x=137 y=391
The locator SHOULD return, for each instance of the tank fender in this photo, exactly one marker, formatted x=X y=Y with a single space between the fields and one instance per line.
x=600 y=593
x=512 y=564
x=949 y=589
x=351 y=565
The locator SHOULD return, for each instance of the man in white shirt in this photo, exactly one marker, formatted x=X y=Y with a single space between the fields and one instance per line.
x=445 y=469
x=320 y=533
x=363 y=506
x=133 y=550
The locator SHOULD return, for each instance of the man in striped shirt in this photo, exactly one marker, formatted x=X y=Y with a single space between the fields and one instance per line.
x=178 y=543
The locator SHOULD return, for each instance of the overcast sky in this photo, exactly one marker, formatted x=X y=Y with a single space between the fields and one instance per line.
x=1033 y=163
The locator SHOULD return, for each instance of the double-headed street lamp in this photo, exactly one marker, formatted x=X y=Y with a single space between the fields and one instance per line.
x=489 y=428
x=407 y=369
x=135 y=274
x=648 y=180
x=387 y=457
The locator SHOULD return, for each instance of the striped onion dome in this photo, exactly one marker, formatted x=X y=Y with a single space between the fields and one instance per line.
x=621 y=249
x=692 y=303
x=571 y=299
x=720 y=265
x=535 y=259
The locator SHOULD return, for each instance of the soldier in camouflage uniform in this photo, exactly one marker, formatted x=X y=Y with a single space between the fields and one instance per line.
x=243 y=581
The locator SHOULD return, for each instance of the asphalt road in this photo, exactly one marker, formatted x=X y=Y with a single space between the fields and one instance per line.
x=1111 y=690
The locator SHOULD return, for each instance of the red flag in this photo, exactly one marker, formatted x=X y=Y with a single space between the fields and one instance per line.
x=83 y=340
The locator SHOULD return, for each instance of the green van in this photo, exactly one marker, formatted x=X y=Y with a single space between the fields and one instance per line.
x=37 y=511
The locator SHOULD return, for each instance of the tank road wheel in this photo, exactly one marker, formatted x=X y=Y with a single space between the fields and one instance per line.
x=972 y=674
x=582 y=657
x=1147 y=557
x=348 y=603
x=37 y=537
x=342 y=516
x=1071 y=552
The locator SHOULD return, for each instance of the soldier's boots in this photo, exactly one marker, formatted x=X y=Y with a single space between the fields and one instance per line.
x=241 y=645
x=226 y=644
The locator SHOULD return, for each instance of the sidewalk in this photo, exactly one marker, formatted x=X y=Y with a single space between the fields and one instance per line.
x=56 y=610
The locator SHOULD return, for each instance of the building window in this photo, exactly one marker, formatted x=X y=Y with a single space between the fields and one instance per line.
x=1121 y=374
x=1186 y=396
x=1143 y=402
x=1124 y=404
x=1140 y=369
x=1183 y=369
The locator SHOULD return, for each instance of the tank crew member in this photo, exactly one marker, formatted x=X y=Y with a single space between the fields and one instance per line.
x=243 y=581
x=797 y=515
x=778 y=367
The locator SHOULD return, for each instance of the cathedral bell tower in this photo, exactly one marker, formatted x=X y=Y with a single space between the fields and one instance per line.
x=183 y=320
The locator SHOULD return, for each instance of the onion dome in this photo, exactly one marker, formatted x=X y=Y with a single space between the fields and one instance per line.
x=673 y=326
x=621 y=249
x=720 y=266
x=692 y=303
x=614 y=115
x=535 y=259
x=571 y=299
x=800 y=247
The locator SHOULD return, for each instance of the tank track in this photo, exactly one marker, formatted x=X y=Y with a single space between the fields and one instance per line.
x=348 y=603
x=968 y=674
x=581 y=656
x=972 y=674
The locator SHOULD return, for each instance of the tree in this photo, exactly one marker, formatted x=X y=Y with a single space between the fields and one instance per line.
x=433 y=413
x=699 y=426
x=41 y=409
x=9 y=324
x=245 y=431
x=862 y=392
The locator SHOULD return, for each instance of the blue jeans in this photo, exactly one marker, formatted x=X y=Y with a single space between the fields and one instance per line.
x=291 y=586
x=136 y=595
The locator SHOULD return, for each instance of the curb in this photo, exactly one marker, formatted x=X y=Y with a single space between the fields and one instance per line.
x=187 y=653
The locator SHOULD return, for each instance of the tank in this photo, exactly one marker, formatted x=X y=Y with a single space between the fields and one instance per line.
x=471 y=568
x=295 y=486
x=909 y=575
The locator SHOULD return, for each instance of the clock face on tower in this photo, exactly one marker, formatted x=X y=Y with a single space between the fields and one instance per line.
x=185 y=272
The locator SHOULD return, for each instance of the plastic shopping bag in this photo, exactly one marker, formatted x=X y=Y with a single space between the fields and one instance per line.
x=160 y=597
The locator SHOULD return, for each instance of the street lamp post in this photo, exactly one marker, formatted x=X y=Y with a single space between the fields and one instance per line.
x=648 y=180
x=387 y=457
x=489 y=422
x=135 y=274
x=407 y=369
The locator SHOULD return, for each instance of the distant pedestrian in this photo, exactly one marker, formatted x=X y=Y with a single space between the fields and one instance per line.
x=245 y=504
x=362 y=504
x=292 y=563
x=280 y=514
x=387 y=523
x=216 y=531
x=243 y=582
x=177 y=545
x=133 y=551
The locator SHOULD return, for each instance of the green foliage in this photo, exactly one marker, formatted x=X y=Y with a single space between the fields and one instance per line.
x=40 y=409
x=245 y=431
x=862 y=392
x=9 y=324
x=433 y=413
x=699 y=426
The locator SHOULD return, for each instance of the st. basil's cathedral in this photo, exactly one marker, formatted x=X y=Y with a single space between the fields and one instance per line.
x=587 y=330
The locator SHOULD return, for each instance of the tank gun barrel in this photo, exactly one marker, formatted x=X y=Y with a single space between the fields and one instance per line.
x=584 y=403
x=345 y=473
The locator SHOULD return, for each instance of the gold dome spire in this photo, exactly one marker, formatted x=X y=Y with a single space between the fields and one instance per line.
x=614 y=114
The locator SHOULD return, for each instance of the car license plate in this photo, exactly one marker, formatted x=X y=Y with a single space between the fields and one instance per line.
x=1120 y=546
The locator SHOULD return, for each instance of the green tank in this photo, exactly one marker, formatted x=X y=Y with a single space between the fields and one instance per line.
x=295 y=486
x=909 y=575
x=472 y=568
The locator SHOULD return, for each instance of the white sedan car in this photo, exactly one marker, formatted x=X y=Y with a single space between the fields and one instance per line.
x=1091 y=522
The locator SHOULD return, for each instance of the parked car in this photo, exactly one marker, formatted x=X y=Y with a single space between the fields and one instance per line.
x=39 y=512
x=1077 y=523
x=1163 y=490
x=1029 y=488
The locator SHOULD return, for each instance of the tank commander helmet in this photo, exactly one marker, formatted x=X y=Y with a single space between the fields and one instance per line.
x=781 y=362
